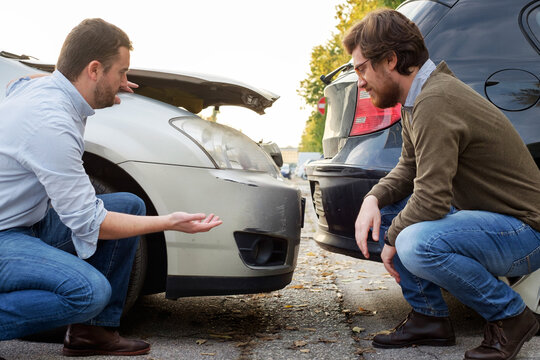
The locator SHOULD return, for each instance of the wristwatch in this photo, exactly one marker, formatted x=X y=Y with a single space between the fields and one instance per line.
x=386 y=239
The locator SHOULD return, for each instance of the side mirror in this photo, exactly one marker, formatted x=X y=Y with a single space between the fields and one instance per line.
x=272 y=149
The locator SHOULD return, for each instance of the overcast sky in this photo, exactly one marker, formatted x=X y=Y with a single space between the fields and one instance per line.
x=266 y=44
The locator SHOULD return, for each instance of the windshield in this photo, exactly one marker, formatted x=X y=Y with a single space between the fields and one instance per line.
x=424 y=13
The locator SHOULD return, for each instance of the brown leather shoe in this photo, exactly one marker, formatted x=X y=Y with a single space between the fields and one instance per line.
x=86 y=340
x=504 y=338
x=418 y=329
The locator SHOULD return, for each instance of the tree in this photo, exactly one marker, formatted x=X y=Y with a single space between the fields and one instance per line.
x=327 y=57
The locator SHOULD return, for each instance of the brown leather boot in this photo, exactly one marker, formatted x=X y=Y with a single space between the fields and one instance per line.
x=504 y=338
x=85 y=340
x=418 y=329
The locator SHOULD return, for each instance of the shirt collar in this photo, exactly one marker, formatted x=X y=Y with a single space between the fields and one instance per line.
x=419 y=80
x=79 y=103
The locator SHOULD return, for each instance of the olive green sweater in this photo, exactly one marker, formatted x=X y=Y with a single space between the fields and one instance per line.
x=459 y=149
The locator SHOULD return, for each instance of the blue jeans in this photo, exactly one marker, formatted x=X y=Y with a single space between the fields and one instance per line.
x=464 y=253
x=43 y=285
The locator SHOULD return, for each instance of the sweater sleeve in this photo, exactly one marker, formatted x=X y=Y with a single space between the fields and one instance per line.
x=436 y=133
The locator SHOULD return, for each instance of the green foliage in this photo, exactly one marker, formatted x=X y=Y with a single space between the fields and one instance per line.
x=313 y=133
x=391 y=3
x=327 y=57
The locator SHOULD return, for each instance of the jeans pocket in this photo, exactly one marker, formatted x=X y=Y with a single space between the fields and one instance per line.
x=526 y=264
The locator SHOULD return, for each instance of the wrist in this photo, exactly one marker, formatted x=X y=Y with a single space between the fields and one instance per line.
x=386 y=241
x=372 y=199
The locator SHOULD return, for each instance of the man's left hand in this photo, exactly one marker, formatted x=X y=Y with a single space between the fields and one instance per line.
x=387 y=256
x=129 y=89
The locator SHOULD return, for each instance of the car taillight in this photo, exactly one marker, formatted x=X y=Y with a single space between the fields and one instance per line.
x=368 y=118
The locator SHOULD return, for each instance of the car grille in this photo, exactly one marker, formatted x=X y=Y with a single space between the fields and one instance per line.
x=317 y=200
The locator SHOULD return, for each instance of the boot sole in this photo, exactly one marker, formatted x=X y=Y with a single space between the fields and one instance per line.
x=530 y=334
x=90 y=352
x=426 y=342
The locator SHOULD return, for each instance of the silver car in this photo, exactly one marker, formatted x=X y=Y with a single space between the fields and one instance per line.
x=176 y=161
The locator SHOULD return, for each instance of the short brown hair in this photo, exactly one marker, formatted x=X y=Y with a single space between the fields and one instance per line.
x=92 y=39
x=384 y=31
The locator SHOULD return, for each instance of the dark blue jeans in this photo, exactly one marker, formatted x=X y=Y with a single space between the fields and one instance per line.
x=44 y=285
x=464 y=253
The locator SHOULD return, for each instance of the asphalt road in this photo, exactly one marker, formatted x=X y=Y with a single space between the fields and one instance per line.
x=331 y=310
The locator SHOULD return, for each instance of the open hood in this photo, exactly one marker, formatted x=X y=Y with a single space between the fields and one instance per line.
x=195 y=92
x=191 y=91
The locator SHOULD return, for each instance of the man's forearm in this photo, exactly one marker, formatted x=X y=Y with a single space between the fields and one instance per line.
x=118 y=225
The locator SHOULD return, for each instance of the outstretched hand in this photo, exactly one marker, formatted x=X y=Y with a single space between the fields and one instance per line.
x=129 y=89
x=193 y=223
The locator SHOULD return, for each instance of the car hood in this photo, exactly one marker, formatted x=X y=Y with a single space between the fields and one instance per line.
x=195 y=92
x=192 y=91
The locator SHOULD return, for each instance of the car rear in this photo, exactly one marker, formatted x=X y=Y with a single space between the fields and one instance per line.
x=489 y=45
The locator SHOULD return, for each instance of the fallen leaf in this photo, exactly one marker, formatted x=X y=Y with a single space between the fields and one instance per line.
x=300 y=343
x=326 y=273
x=209 y=354
x=242 y=344
x=295 y=306
x=261 y=295
x=291 y=328
x=221 y=336
x=296 y=287
x=358 y=329
x=311 y=254
x=309 y=329
x=327 y=341
x=364 y=312
x=200 y=341
x=268 y=337
x=304 y=351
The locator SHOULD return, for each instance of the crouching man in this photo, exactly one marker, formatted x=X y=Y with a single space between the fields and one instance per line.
x=49 y=210
x=461 y=207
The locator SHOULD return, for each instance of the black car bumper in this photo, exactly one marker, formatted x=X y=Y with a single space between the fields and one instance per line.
x=339 y=185
x=337 y=192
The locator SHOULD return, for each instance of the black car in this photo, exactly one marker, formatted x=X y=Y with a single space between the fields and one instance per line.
x=493 y=46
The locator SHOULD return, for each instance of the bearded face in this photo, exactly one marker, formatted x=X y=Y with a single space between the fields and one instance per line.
x=104 y=94
x=384 y=91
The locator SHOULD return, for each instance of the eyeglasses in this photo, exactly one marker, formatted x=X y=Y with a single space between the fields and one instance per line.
x=361 y=72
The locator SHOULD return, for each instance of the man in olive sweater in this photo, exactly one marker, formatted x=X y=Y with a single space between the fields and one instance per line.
x=463 y=201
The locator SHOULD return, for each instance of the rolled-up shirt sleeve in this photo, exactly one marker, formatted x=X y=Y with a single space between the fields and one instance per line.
x=15 y=83
x=59 y=168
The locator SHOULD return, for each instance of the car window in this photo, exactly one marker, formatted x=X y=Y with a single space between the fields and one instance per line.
x=425 y=14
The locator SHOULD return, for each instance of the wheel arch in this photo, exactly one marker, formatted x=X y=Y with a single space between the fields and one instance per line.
x=117 y=178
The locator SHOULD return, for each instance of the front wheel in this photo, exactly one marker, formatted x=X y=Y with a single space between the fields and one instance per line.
x=138 y=270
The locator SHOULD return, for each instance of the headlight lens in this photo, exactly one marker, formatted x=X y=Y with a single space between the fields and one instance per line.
x=227 y=147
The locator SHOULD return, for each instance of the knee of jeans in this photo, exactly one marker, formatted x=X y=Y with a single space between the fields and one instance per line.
x=99 y=293
x=136 y=204
x=411 y=245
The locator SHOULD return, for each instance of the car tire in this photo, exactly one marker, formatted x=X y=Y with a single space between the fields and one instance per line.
x=140 y=262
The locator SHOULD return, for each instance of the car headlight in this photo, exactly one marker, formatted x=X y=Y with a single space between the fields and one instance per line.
x=226 y=147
